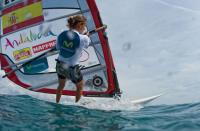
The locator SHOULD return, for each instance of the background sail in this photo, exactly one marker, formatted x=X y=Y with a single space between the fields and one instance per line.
x=23 y=45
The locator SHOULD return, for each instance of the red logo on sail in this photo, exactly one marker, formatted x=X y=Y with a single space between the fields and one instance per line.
x=44 y=46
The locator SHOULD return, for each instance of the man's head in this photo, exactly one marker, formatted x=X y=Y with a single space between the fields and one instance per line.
x=77 y=22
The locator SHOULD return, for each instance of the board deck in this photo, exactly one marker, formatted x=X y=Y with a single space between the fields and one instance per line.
x=145 y=100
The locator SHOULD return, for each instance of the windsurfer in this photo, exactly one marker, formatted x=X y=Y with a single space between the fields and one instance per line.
x=71 y=43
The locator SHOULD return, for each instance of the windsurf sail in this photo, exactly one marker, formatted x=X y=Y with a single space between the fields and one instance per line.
x=29 y=29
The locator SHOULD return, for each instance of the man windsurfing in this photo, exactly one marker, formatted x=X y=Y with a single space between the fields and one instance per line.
x=71 y=43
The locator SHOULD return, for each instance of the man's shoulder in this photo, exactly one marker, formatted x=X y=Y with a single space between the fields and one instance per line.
x=68 y=34
x=63 y=32
x=83 y=36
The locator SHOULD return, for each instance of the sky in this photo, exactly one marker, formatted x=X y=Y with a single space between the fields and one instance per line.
x=155 y=46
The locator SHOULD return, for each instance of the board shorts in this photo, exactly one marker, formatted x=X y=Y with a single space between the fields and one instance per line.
x=72 y=72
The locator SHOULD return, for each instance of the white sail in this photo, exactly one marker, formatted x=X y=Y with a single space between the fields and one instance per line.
x=24 y=39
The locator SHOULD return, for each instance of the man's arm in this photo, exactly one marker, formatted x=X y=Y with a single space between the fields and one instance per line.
x=86 y=41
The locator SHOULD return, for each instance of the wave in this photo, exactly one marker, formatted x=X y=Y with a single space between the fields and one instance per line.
x=26 y=113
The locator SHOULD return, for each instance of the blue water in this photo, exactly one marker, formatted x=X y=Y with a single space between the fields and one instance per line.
x=24 y=113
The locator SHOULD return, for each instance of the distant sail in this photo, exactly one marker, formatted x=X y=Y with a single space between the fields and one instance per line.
x=27 y=36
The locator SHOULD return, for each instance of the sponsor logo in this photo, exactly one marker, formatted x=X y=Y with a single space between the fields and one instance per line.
x=97 y=81
x=22 y=54
x=27 y=38
x=68 y=44
x=36 y=66
x=12 y=19
x=44 y=46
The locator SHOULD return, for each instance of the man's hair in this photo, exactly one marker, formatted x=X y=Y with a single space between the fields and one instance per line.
x=73 y=21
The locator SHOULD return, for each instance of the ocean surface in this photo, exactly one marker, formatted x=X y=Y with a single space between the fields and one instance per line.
x=25 y=113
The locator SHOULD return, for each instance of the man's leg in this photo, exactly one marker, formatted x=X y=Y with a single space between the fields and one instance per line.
x=79 y=88
x=60 y=89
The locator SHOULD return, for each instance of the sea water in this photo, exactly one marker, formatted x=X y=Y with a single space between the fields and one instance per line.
x=25 y=113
